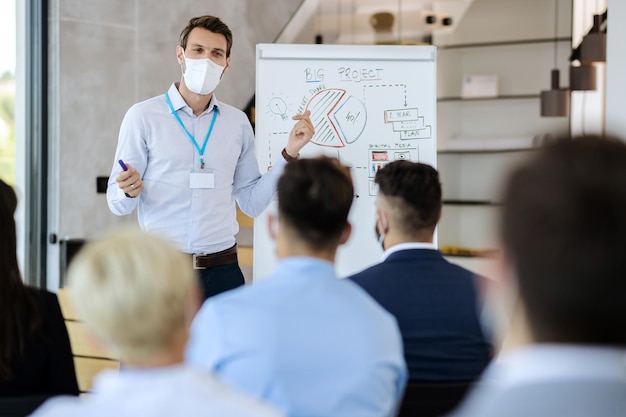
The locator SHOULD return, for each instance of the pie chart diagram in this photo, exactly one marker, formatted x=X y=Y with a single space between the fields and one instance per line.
x=338 y=119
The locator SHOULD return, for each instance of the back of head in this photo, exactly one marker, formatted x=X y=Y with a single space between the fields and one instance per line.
x=314 y=200
x=132 y=290
x=563 y=227
x=413 y=193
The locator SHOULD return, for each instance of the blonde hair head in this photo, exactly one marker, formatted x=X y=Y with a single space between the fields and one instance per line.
x=131 y=289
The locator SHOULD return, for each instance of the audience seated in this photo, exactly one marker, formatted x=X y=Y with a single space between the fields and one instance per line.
x=564 y=262
x=307 y=342
x=434 y=301
x=35 y=355
x=137 y=293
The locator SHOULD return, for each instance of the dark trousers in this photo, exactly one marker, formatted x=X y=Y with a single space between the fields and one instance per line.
x=220 y=278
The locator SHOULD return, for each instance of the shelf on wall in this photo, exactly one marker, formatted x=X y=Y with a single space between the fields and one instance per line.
x=505 y=43
x=470 y=203
x=483 y=151
x=504 y=97
x=455 y=251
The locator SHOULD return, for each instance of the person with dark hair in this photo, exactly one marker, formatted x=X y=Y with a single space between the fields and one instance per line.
x=564 y=275
x=35 y=353
x=185 y=159
x=303 y=340
x=435 y=302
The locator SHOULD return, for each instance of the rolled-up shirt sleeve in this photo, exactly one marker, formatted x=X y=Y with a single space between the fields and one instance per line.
x=253 y=191
x=132 y=149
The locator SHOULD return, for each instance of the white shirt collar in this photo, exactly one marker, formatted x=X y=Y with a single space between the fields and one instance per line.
x=407 y=246
x=549 y=362
x=178 y=102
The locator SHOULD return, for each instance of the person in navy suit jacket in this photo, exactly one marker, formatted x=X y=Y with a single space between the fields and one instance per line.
x=435 y=302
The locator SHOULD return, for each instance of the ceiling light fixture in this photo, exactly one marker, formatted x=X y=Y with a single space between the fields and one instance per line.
x=593 y=45
x=555 y=102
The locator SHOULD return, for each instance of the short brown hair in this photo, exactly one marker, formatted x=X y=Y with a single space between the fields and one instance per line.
x=210 y=23
x=563 y=226
x=314 y=199
x=414 y=190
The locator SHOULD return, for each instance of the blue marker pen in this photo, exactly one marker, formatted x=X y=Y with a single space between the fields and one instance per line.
x=125 y=168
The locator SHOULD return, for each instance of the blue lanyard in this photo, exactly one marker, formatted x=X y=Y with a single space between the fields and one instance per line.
x=189 y=135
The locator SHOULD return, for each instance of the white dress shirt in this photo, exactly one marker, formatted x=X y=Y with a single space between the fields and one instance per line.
x=407 y=246
x=196 y=220
x=157 y=392
x=553 y=362
x=547 y=380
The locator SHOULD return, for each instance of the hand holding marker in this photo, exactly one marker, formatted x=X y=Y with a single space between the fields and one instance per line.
x=119 y=181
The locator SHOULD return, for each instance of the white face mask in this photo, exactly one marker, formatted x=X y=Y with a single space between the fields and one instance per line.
x=202 y=75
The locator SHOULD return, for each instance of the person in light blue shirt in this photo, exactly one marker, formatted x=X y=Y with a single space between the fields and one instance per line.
x=302 y=339
x=184 y=159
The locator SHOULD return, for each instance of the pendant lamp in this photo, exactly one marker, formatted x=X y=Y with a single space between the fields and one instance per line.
x=593 y=46
x=582 y=77
x=555 y=102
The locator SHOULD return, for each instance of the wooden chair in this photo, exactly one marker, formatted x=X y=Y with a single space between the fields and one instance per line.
x=432 y=398
x=89 y=358
x=244 y=244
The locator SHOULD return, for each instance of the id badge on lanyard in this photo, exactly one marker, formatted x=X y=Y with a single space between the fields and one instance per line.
x=202 y=179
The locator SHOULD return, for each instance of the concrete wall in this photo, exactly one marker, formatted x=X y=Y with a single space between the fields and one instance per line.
x=106 y=55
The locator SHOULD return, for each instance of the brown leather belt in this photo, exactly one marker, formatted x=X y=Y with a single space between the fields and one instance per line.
x=211 y=260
